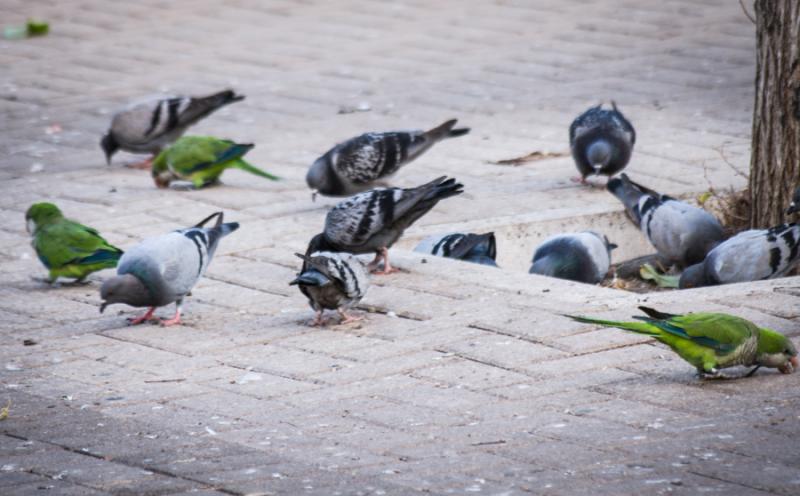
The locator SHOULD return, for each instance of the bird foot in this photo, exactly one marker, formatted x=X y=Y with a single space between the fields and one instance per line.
x=143 y=318
x=385 y=271
x=581 y=180
x=144 y=164
x=347 y=319
x=53 y=283
x=170 y=322
x=318 y=321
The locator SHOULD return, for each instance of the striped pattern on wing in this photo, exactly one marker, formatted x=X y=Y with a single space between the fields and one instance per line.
x=374 y=155
x=353 y=221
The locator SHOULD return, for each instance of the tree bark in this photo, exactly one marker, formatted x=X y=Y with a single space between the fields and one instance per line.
x=775 y=159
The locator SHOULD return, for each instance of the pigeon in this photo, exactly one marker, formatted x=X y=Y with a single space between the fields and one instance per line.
x=681 y=233
x=749 y=256
x=583 y=257
x=164 y=269
x=66 y=248
x=201 y=160
x=601 y=141
x=150 y=125
x=475 y=248
x=794 y=207
x=712 y=341
x=355 y=165
x=336 y=281
x=374 y=220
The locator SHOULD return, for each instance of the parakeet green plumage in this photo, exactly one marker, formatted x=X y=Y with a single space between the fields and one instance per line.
x=712 y=341
x=201 y=160
x=65 y=247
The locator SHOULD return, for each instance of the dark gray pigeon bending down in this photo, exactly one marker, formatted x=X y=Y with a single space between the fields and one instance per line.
x=374 y=220
x=333 y=281
x=354 y=165
x=681 y=233
x=582 y=257
x=164 y=269
x=475 y=248
x=601 y=141
x=749 y=256
x=152 y=124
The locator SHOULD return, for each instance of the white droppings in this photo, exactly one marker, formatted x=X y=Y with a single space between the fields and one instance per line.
x=37 y=167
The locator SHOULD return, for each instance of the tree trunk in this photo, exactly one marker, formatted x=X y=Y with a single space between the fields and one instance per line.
x=775 y=159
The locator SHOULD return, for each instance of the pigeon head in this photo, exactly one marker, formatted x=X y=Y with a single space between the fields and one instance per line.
x=776 y=350
x=599 y=154
x=794 y=207
x=39 y=214
x=109 y=146
x=321 y=177
x=693 y=277
x=126 y=289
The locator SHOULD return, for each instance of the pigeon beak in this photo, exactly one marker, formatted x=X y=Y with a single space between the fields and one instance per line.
x=103 y=306
x=314 y=195
x=792 y=208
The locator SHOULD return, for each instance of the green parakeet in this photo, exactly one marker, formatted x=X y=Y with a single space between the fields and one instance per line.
x=201 y=160
x=712 y=341
x=66 y=248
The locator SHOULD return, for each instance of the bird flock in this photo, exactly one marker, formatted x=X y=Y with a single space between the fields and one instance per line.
x=163 y=269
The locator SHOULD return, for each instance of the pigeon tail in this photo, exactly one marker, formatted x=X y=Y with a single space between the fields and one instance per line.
x=446 y=130
x=444 y=188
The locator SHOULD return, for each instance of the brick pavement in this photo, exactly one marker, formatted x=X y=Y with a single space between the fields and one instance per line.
x=463 y=379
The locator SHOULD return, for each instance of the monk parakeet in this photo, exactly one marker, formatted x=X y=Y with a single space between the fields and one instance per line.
x=712 y=341
x=201 y=160
x=66 y=248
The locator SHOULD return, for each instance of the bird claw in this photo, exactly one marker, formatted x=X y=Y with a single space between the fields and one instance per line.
x=384 y=271
x=347 y=319
x=170 y=322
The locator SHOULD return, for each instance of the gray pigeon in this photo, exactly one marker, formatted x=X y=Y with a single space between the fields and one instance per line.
x=681 y=233
x=355 y=165
x=164 y=269
x=583 y=257
x=150 y=125
x=795 y=205
x=601 y=141
x=475 y=248
x=374 y=220
x=336 y=281
x=749 y=256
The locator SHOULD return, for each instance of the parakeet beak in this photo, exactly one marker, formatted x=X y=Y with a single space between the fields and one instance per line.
x=789 y=367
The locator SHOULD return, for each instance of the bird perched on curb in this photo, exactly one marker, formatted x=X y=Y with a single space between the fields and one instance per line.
x=794 y=207
x=354 y=165
x=201 y=160
x=374 y=220
x=749 y=256
x=712 y=341
x=164 y=269
x=475 y=248
x=65 y=247
x=582 y=257
x=601 y=142
x=150 y=125
x=681 y=233
x=334 y=281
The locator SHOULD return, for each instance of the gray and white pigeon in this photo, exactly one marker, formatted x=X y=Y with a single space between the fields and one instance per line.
x=149 y=125
x=336 y=281
x=681 y=233
x=751 y=255
x=164 y=269
x=794 y=206
x=583 y=257
x=374 y=220
x=475 y=248
x=356 y=164
x=601 y=141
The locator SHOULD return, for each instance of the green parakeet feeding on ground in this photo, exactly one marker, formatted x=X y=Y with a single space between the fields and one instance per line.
x=712 y=341
x=65 y=247
x=201 y=160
